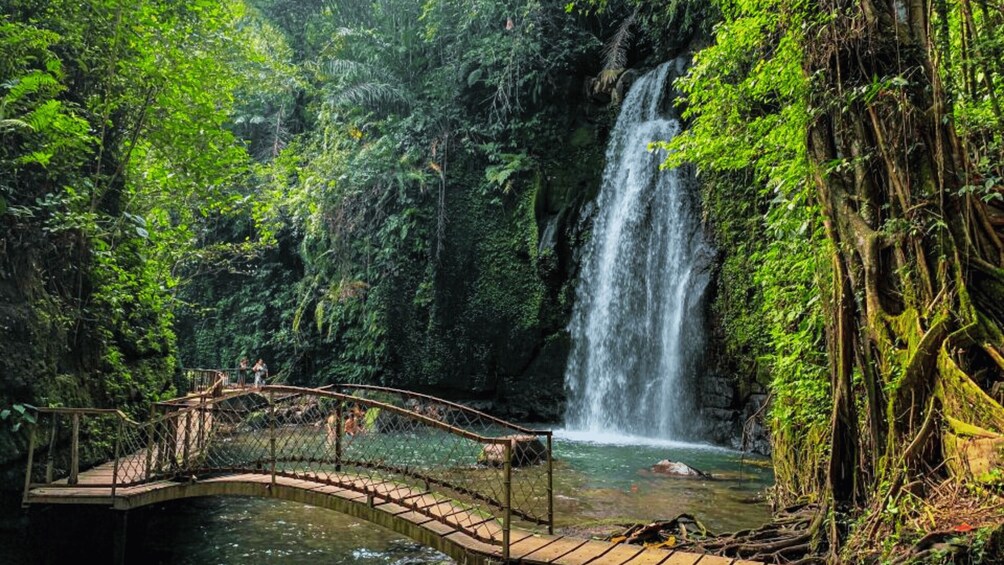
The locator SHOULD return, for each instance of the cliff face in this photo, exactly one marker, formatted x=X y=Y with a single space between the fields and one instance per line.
x=487 y=320
x=734 y=393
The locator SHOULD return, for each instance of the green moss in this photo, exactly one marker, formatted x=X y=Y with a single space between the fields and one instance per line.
x=582 y=137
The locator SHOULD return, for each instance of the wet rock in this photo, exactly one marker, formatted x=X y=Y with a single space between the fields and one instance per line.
x=527 y=450
x=677 y=469
x=755 y=437
x=733 y=413
x=718 y=392
x=624 y=82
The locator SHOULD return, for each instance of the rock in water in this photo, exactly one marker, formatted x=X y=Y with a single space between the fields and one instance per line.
x=677 y=469
x=527 y=450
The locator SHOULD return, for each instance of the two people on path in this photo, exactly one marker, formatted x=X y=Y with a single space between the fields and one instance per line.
x=354 y=424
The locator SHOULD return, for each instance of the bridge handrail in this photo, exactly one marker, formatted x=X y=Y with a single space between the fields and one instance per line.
x=454 y=405
x=391 y=408
x=382 y=389
x=326 y=392
x=75 y=414
x=202 y=379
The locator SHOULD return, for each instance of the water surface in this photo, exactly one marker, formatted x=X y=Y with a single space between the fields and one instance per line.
x=255 y=531
x=607 y=478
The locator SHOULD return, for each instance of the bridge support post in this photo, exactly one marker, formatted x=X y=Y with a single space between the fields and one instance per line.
x=339 y=414
x=271 y=432
x=200 y=441
x=507 y=501
x=550 y=486
x=74 y=449
x=187 y=439
x=149 y=443
x=31 y=456
x=52 y=450
x=115 y=462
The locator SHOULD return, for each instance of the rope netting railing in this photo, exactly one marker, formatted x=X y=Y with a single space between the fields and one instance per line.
x=461 y=467
x=532 y=470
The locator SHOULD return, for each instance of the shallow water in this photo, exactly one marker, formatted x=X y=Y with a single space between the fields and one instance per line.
x=256 y=530
x=608 y=478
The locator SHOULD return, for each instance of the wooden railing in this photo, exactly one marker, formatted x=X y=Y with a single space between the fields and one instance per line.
x=374 y=440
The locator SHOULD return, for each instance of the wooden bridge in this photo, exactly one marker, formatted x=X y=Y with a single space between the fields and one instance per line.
x=470 y=485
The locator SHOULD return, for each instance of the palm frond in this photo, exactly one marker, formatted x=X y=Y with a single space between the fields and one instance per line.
x=348 y=68
x=372 y=95
x=615 y=51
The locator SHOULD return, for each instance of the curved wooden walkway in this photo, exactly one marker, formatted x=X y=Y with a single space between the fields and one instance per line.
x=203 y=449
x=407 y=515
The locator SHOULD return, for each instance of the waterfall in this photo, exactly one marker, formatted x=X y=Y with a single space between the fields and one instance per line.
x=637 y=325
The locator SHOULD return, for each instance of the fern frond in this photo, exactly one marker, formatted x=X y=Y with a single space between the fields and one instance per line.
x=13 y=124
x=29 y=84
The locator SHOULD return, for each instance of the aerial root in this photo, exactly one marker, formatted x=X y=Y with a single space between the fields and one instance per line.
x=789 y=539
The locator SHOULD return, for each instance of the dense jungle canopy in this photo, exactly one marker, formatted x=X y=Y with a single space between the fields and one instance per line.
x=398 y=192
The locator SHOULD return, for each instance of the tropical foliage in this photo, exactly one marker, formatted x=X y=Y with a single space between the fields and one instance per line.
x=397 y=191
x=116 y=157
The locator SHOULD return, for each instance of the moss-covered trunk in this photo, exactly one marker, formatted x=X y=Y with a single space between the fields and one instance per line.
x=917 y=266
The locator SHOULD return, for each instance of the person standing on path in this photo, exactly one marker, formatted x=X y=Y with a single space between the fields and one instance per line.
x=242 y=372
x=260 y=372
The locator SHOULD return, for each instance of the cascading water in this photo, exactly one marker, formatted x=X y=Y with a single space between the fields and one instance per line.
x=637 y=327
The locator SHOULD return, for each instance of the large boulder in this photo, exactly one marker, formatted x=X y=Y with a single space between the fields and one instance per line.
x=527 y=450
x=678 y=469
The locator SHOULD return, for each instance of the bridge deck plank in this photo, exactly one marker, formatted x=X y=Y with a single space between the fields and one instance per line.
x=439 y=528
x=414 y=517
x=682 y=558
x=649 y=557
x=392 y=508
x=551 y=552
x=422 y=502
x=619 y=555
x=489 y=528
x=473 y=544
x=590 y=551
x=529 y=544
x=715 y=560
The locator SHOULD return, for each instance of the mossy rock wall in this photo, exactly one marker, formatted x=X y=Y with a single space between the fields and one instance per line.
x=490 y=321
x=733 y=391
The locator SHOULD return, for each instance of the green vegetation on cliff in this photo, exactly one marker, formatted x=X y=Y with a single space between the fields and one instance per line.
x=115 y=157
x=431 y=193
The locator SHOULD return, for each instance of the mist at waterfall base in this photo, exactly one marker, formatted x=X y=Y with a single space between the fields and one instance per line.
x=637 y=324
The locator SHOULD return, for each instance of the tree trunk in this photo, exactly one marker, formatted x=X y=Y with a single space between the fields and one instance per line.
x=917 y=275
